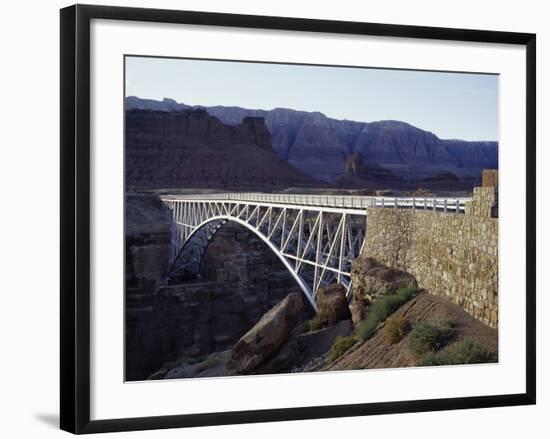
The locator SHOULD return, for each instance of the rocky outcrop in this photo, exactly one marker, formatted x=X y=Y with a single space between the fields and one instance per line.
x=332 y=304
x=255 y=131
x=300 y=353
x=267 y=335
x=240 y=262
x=319 y=145
x=358 y=312
x=147 y=244
x=244 y=280
x=358 y=174
x=192 y=149
x=371 y=279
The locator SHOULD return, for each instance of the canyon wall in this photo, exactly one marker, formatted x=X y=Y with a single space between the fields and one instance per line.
x=147 y=244
x=319 y=145
x=452 y=255
x=192 y=149
x=243 y=279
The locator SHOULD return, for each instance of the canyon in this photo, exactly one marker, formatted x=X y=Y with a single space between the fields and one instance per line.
x=243 y=312
x=319 y=145
x=242 y=279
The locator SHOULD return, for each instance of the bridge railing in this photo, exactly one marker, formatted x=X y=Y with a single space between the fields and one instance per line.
x=455 y=204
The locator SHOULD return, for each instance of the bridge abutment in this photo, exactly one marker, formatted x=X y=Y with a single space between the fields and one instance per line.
x=454 y=256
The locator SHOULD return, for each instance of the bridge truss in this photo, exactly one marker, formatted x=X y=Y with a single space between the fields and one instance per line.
x=316 y=237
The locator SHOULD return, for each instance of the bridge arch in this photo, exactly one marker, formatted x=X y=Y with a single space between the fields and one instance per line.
x=218 y=221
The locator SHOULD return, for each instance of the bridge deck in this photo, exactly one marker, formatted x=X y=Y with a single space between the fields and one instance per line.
x=338 y=202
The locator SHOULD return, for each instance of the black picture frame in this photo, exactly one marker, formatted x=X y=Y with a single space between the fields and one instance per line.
x=75 y=217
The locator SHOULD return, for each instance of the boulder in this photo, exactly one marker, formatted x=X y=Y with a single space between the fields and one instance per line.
x=267 y=335
x=332 y=304
x=301 y=348
x=371 y=278
x=357 y=309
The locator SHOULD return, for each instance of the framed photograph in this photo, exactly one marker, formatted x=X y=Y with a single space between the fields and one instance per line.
x=268 y=218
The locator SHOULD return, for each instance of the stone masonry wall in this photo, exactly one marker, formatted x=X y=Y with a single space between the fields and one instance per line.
x=484 y=203
x=452 y=255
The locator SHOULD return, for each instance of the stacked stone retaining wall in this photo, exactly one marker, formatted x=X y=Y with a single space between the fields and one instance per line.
x=451 y=254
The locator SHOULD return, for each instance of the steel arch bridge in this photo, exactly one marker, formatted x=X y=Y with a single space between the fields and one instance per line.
x=316 y=237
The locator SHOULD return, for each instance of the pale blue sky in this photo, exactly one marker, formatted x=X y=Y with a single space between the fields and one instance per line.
x=451 y=105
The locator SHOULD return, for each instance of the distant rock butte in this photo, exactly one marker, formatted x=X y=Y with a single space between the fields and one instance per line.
x=190 y=148
x=358 y=173
x=319 y=145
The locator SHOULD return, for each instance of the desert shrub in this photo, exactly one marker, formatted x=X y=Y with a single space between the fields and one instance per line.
x=314 y=324
x=340 y=346
x=302 y=327
x=381 y=308
x=396 y=328
x=407 y=293
x=430 y=335
x=367 y=328
x=465 y=351
x=355 y=366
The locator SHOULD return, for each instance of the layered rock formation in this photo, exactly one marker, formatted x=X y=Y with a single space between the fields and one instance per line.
x=147 y=244
x=190 y=148
x=164 y=323
x=319 y=145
